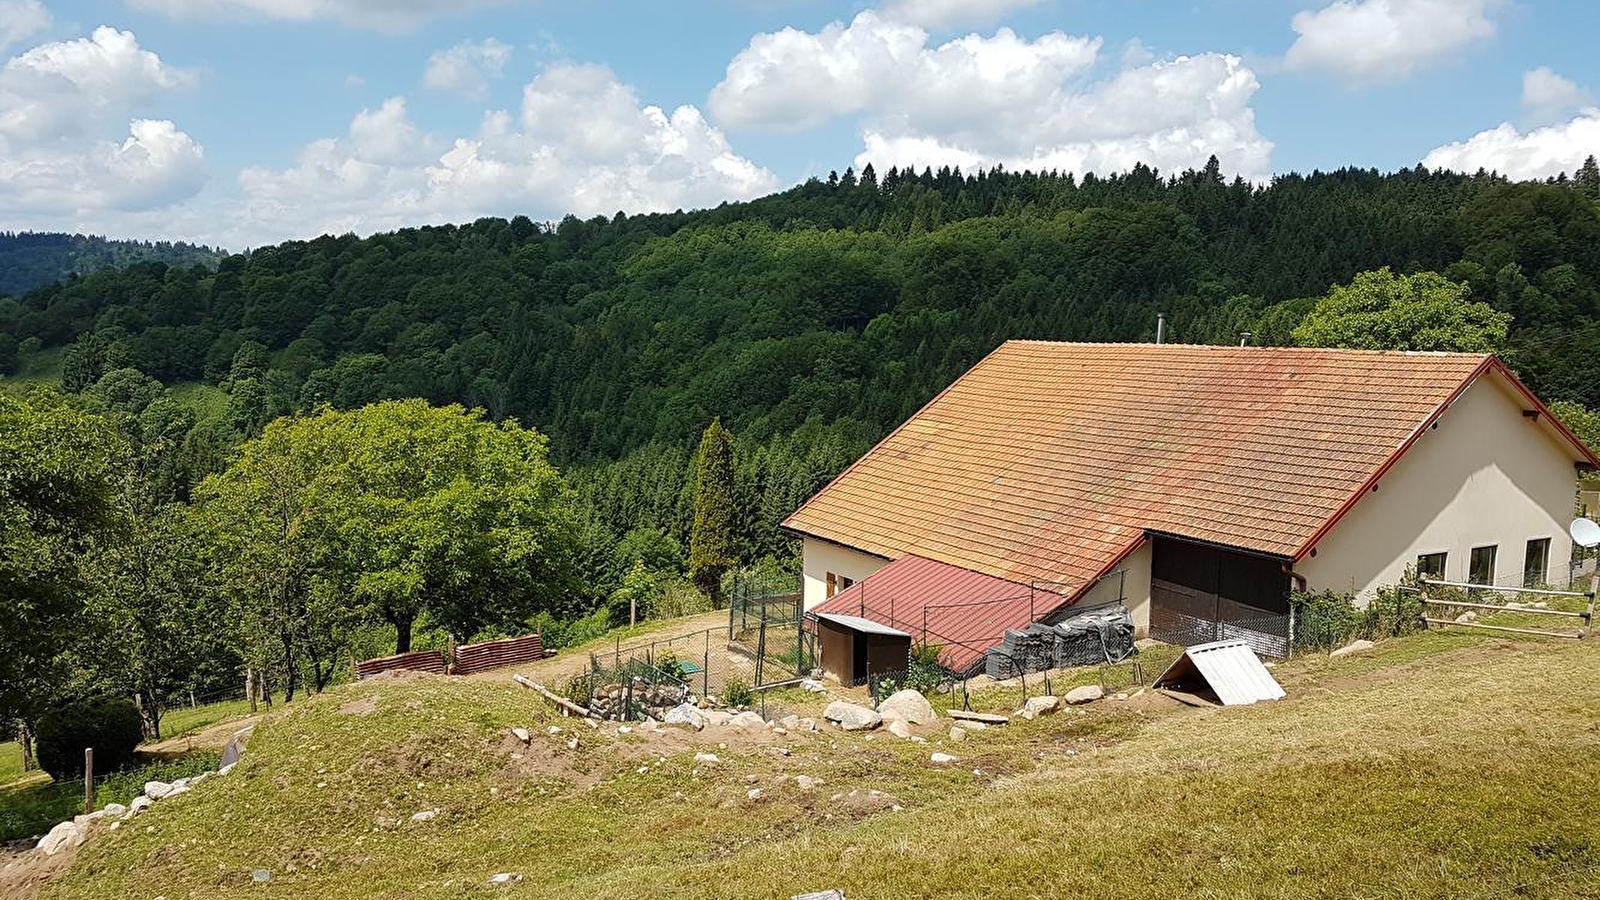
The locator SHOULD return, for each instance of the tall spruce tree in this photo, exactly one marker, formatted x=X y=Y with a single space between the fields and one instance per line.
x=712 y=543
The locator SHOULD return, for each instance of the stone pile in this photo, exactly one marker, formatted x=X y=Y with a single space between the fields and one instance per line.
x=610 y=701
x=75 y=831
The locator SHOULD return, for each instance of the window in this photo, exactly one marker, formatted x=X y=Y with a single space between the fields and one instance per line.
x=837 y=583
x=1536 y=562
x=1431 y=565
x=1481 y=568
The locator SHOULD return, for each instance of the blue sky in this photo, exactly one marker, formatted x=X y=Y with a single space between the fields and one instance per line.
x=241 y=122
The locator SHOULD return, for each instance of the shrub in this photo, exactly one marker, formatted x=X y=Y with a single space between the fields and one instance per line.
x=557 y=633
x=1328 y=619
x=112 y=727
x=736 y=693
x=1324 y=619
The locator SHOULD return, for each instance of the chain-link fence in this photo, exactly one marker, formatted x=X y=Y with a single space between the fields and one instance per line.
x=633 y=681
x=766 y=617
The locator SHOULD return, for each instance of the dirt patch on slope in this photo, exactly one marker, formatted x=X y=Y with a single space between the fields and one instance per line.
x=25 y=871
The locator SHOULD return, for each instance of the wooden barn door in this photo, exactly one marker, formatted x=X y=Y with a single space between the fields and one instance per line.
x=1201 y=593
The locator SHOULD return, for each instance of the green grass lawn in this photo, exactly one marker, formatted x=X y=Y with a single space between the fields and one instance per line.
x=1443 y=765
x=183 y=721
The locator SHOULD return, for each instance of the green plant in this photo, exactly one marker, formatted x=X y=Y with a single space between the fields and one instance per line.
x=736 y=693
x=111 y=727
x=667 y=664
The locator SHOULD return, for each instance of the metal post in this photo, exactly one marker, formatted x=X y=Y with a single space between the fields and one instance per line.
x=88 y=780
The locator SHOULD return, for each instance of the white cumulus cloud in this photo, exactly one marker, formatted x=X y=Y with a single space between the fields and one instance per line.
x=380 y=15
x=1385 y=40
x=992 y=100
x=582 y=143
x=949 y=13
x=467 y=68
x=69 y=142
x=20 y=20
x=1547 y=97
x=796 y=79
x=1536 y=153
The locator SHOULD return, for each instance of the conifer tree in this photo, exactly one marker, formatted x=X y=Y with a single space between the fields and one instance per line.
x=712 y=543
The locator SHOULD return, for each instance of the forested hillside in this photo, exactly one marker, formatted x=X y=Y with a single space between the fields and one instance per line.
x=29 y=259
x=813 y=320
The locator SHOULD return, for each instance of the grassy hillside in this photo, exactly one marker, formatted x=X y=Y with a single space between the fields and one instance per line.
x=1438 y=766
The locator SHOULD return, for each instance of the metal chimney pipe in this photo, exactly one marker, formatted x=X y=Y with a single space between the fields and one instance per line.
x=1244 y=338
x=1161 y=328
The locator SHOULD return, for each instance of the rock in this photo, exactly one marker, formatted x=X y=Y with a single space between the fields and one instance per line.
x=624 y=730
x=813 y=686
x=553 y=730
x=62 y=837
x=177 y=789
x=1467 y=618
x=521 y=734
x=1352 y=648
x=806 y=782
x=156 y=790
x=957 y=733
x=572 y=743
x=808 y=724
x=706 y=759
x=180 y=784
x=426 y=815
x=790 y=722
x=1086 y=694
x=226 y=769
x=115 y=809
x=1119 y=696
x=909 y=706
x=717 y=717
x=899 y=728
x=260 y=876
x=1043 y=706
x=754 y=793
x=505 y=878
x=139 y=805
x=852 y=717
x=747 y=719
x=686 y=715
x=830 y=894
x=942 y=759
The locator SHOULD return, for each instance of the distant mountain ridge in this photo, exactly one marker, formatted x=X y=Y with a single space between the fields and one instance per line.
x=30 y=259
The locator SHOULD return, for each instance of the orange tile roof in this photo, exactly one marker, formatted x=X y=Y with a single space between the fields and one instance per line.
x=1048 y=461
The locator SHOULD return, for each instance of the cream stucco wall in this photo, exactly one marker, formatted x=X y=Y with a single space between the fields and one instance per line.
x=818 y=558
x=1132 y=578
x=1485 y=475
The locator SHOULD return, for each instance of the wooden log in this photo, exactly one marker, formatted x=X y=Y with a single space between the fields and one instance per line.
x=969 y=716
x=560 y=702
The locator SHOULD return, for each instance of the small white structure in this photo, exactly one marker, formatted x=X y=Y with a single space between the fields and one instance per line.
x=1226 y=671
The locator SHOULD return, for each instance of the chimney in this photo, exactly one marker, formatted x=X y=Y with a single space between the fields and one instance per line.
x=1244 y=338
x=1161 y=328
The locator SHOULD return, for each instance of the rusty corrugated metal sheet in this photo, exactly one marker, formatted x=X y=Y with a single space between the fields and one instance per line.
x=416 y=661
x=963 y=611
x=1230 y=669
x=471 y=658
x=1047 y=460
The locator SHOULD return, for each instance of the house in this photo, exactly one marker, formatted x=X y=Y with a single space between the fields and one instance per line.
x=1198 y=485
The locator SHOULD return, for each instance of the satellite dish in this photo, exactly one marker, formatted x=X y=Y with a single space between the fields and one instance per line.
x=1585 y=533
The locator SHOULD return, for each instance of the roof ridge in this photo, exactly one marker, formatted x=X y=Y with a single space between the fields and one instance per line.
x=1252 y=348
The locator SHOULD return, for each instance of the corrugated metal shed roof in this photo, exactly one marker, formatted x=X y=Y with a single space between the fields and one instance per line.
x=867 y=626
x=1230 y=669
x=963 y=611
x=1046 y=461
